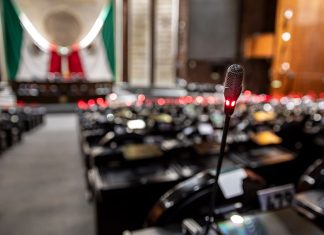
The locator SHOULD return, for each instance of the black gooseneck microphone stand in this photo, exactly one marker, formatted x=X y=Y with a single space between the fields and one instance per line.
x=217 y=173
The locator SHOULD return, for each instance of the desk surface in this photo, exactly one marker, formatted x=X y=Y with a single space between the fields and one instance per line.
x=282 y=222
x=106 y=179
x=154 y=231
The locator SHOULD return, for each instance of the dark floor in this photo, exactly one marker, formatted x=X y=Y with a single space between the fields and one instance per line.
x=42 y=189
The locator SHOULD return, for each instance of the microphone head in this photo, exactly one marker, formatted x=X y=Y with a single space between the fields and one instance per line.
x=232 y=87
x=233 y=82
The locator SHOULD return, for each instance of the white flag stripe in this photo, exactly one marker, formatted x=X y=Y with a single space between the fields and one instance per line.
x=32 y=65
x=95 y=63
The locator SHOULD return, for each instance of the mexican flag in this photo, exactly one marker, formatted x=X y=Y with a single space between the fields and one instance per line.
x=26 y=61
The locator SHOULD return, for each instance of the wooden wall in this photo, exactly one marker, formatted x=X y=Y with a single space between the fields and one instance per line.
x=298 y=65
x=256 y=18
x=258 y=21
x=295 y=66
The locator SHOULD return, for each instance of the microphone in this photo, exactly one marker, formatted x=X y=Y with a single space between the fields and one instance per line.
x=232 y=87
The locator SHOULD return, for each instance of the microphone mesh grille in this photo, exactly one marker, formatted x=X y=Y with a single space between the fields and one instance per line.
x=233 y=82
x=235 y=68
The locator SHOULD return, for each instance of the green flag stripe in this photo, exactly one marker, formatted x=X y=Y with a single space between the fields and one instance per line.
x=108 y=35
x=13 y=33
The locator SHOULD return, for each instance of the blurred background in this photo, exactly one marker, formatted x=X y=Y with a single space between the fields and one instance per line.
x=106 y=105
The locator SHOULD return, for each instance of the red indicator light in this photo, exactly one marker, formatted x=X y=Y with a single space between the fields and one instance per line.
x=227 y=103
x=100 y=101
x=233 y=103
x=82 y=105
x=211 y=99
x=188 y=99
x=181 y=100
x=247 y=92
x=161 y=102
x=104 y=104
x=20 y=103
x=141 y=97
x=91 y=102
